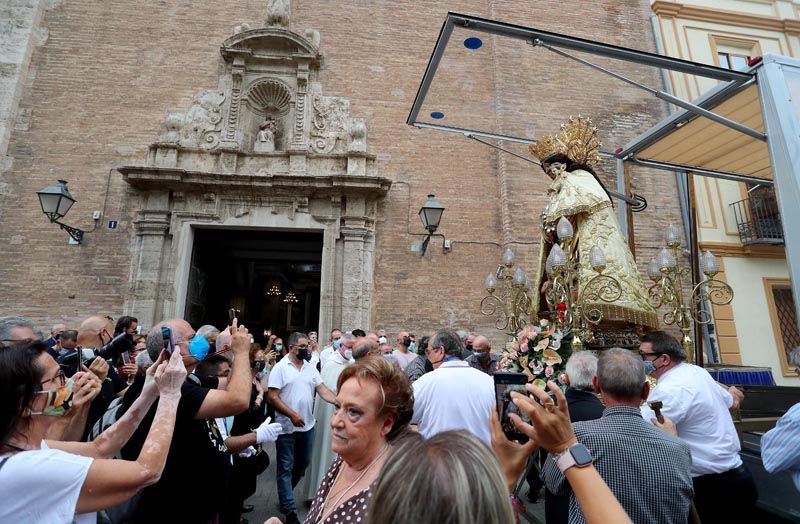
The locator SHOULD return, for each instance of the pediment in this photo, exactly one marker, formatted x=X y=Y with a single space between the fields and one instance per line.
x=272 y=43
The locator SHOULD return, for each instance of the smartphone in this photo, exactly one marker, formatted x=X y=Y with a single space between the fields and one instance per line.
x=504 y=384
x=166 y=336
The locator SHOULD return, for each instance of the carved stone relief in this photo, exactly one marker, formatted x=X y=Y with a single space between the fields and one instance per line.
x=329 y=123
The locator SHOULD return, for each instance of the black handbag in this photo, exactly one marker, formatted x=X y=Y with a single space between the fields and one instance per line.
x=253 y=465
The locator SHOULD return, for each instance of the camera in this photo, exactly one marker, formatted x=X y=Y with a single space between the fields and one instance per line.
x=118 y=345
x=504 y=384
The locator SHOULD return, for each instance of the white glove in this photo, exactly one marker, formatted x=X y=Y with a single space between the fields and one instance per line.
x=267 y=432
x=249 y=451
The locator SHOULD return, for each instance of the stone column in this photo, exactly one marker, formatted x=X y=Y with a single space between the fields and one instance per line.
x=354 y=303
x=151 y=229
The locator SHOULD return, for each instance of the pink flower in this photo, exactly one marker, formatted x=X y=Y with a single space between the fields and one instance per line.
x=515 y=346
x=542 y=344
x=548 y=371
x=523 y=348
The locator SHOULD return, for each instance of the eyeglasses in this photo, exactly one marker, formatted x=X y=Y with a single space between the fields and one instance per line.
x=302 y=347
x=61 y=378
x=643 y=355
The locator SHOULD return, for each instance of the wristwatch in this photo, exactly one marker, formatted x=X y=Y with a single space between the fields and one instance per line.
x=576 y=455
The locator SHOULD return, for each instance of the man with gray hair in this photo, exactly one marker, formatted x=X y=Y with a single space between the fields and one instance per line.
x=454 y=396
x=16 y=329
x=699 y=407
x=646 y=468
x=582 y=404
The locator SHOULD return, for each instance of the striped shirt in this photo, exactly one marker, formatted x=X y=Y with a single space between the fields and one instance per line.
x=780 y=446
x=646 y=468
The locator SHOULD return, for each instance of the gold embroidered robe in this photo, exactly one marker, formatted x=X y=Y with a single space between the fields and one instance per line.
x=578 y=196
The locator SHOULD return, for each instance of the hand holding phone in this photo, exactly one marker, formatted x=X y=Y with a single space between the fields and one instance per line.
x=168 y=338
x=504 y=384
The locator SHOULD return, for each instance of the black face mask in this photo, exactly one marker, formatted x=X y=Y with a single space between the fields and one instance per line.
x=303 y=354
x=212 y=348
x=469 y=347
x=259 y=365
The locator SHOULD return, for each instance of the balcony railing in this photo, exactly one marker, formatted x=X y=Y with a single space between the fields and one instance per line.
x=758 y=221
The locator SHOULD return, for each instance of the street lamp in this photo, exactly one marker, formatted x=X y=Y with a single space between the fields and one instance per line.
x=431 y=215
x=56 y=202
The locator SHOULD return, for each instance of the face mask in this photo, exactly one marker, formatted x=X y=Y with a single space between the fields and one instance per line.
x=348 y=354
x=337 y=343
x=649 y=367
x=412 y=346
x=483 y=357
x=59 y=401
x=382 y=340
x=389 y=357
x=198 y=347
x=259 y=367
x=303 y=354
x=278 y=347
x=212 y=348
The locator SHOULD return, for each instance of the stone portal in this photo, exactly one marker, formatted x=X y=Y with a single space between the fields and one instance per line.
x=264 y=151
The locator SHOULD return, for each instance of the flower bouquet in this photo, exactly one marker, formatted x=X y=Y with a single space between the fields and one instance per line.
x=539 y=351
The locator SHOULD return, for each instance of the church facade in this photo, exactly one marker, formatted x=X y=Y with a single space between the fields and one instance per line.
x=232 y=151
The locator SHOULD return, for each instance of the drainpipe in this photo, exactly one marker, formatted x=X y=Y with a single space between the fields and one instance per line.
x=683 y=192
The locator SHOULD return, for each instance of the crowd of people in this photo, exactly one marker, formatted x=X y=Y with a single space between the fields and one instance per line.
x=106 y=424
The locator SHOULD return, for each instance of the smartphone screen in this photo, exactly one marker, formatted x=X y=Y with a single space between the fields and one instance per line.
x=504 y=384
x=166 y=335
x=126 y=358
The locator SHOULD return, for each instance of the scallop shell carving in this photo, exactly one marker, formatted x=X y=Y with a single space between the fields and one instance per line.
x=269 y=97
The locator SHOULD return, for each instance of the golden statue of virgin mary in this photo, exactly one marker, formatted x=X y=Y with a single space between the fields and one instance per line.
x=576 y=193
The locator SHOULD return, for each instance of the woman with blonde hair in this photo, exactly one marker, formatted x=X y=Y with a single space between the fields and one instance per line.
x=458 y=473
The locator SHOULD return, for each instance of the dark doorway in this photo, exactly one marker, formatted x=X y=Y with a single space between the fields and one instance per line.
x=259 y=273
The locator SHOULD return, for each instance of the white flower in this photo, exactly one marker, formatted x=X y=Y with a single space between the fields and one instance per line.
x=544 y=322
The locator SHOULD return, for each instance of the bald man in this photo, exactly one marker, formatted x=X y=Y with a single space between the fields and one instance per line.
x=482 y=357
x=95 y=332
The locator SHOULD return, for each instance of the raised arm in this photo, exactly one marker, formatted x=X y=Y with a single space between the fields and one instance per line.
x=110 y=441
x=110 y=482
x=552 y=430
x=236 y=397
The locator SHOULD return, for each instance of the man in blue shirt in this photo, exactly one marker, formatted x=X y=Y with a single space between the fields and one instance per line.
x=780 y=446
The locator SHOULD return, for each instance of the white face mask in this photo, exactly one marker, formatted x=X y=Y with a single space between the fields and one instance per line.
x=348 y=354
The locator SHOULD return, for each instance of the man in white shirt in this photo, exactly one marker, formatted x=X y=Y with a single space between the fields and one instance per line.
x=327 y=351
x=292 y=383
x=454 y=395
x=699 y=407
x=402 y=354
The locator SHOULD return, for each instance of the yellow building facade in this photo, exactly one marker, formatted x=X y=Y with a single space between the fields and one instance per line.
x=738 y=222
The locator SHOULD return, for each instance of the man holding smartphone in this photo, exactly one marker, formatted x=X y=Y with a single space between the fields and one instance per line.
x=454 y=395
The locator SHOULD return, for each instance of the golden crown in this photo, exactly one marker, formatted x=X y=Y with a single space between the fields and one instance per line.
x=577 y=141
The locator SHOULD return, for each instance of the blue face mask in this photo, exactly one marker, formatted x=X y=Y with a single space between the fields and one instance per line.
x=337 y=343
x=198 y=347
x=649 y=367
x=412 y=346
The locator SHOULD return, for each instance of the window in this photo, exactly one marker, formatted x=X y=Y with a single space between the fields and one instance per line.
x=784 y=319
x=732 y=61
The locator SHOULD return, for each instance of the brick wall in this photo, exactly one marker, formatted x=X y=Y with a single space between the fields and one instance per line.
x=109 y=71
